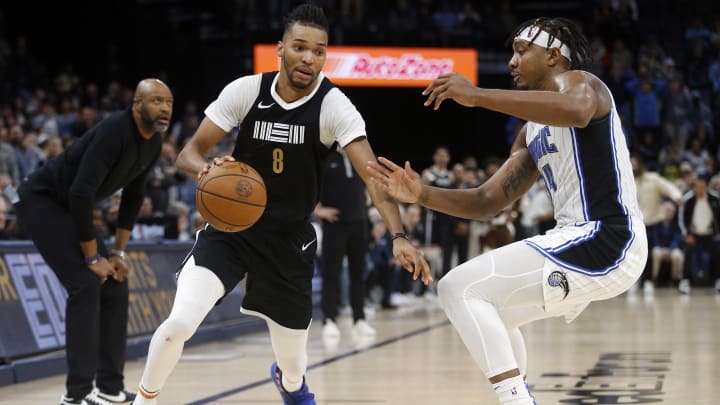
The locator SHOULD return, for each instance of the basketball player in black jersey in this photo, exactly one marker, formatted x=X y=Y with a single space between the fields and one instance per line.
x=289 y=122
x=56 y=210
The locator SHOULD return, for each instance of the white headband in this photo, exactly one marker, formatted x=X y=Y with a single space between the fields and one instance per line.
x=528 y=34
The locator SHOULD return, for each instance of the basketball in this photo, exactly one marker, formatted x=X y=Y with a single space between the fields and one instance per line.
x=231 y=197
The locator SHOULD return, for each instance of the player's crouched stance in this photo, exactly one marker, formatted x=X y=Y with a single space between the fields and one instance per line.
x=574 y=139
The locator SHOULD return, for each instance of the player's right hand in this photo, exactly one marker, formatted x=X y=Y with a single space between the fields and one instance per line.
x=402 y=184
x=103 y=269
x=218 y=161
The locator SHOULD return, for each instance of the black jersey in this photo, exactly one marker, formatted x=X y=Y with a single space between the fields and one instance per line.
x=284 y=147
x=112 y=155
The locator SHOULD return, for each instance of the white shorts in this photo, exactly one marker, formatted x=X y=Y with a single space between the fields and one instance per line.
x=591 y=261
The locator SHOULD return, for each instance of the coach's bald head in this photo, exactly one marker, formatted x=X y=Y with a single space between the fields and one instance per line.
x=152 y=106
x=149 y=86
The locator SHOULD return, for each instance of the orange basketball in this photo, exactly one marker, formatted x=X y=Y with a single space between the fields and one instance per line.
x=231 y=197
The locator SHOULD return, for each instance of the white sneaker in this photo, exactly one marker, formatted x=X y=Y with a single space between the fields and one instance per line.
x=684 y=286
x=633 y=289
x=648 y=287
x=121 y=397
x=362 y=328
x=330 y=330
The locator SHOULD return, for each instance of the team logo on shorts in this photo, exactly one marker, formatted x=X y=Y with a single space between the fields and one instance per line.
x=558 y=279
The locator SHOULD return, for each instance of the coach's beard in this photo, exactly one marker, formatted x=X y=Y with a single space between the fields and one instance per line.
x=159 y=127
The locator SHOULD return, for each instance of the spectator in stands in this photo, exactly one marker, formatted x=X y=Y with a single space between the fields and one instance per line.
x=5 y=233
x=676 y=109
x=622 y=57
x=701 y=119
x=66 y=118
x=56 y=209
x=440 y=225
x=670 y=160
x=667 y=240
x=8 y=161
x=162 y=185
x=415 y=228
x=384 y=264
x=181 y=211
x=647 y=101
x=53 y=147
x=652 y=190
x=698 y=218
x=696 y=66
x=698 y=156
x=88 y=118
x=27 y=153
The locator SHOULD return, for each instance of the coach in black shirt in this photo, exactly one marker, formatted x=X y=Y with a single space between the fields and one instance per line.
x=56 y=210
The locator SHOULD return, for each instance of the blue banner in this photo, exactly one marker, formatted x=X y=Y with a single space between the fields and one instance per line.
x=32 y=300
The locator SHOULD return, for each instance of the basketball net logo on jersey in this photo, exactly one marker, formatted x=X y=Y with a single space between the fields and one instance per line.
x=278 y=132
x=558 y=279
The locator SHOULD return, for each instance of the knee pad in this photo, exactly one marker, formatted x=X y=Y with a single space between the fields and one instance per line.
x=178 y=328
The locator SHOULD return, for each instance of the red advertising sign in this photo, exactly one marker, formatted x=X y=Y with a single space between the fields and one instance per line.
x=381 y=66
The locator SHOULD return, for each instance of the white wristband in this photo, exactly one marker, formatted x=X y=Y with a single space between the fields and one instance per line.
x=117 y=252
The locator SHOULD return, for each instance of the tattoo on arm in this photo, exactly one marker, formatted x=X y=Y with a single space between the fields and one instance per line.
x=516 y=177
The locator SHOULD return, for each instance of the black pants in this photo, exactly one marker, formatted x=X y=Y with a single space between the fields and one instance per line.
x=705 y=250
x=646 y=274
x=443 y=235
x=96 y=315
x=340 y=239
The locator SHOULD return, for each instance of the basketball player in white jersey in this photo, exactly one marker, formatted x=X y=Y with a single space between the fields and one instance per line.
x=573 y=139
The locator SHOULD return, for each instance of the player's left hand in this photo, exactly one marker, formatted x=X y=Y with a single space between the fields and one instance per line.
x=121 y=268
x=412 y=260
x=450 y=85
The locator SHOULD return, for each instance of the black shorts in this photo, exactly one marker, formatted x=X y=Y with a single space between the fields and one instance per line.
x=279 y=266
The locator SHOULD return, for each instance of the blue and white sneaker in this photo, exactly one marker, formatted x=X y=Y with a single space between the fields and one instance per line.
x=303 y=396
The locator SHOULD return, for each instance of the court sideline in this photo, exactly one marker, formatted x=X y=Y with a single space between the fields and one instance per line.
x=626 y=350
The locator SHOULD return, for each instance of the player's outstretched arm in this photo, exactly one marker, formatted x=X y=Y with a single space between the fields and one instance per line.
x=573 y=104
x=411 y=258
x=509 y=183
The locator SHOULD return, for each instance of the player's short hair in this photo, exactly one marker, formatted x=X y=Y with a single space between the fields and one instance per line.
x=567 y=32
x=307 y=14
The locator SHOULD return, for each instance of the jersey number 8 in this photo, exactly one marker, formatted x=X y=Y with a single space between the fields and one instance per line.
x=277 y=165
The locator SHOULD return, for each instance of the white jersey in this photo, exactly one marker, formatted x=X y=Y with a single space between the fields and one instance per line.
x=587 y=171
x=599 y=247
x=340 y=121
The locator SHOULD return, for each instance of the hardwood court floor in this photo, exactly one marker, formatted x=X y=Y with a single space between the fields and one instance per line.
x=620 y=351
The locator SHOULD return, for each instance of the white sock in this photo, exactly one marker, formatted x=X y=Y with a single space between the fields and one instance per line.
x=142 y=397
x=513 y=391
x=291 y=385
x=289 y=346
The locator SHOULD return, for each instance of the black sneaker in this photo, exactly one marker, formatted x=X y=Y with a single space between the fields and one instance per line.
x=103 y=398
